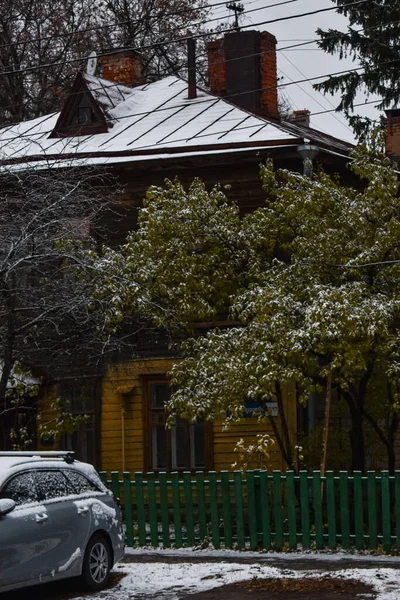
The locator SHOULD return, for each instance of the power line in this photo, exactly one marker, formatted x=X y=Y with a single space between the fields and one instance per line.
x=169 y=42
x=106 y=26
x=211 y=99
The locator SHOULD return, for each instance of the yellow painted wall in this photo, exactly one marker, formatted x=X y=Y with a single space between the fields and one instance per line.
x=123 y=389
x=47 y=416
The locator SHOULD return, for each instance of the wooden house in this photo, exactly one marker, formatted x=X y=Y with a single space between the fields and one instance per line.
x=144 y=132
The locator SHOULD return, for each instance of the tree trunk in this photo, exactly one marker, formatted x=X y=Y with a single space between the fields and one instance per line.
x=357 y=439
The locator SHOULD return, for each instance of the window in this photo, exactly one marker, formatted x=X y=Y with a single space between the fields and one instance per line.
x=79 y=482
x=83 y=112
x=53 y=484
x=21 y=489
x=185 y=446
x=83 y=400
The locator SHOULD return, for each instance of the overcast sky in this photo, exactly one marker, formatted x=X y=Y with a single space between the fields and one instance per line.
x=301 y=63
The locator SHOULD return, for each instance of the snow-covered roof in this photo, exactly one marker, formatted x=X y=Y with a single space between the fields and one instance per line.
x=152 y=121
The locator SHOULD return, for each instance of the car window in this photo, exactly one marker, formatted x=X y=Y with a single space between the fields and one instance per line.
x=52 y=484
x=80 y=483
x=21 y=489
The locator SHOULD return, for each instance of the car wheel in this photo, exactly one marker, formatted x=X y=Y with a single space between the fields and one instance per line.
x=96 y=563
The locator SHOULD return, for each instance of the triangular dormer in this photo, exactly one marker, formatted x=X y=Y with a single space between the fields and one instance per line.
x=81 y=114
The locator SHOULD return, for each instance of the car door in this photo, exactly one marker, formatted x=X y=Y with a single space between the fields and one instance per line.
x=24 y=532
x=69 y=523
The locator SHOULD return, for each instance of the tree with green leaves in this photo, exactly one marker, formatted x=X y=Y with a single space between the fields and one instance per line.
x=310 y=280
x=372 y=39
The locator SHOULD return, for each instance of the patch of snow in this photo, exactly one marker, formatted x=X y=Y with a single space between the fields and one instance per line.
x=176 y=580
x=77 y=554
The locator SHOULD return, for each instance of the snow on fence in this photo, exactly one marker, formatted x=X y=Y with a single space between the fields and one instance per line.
x=261 y=510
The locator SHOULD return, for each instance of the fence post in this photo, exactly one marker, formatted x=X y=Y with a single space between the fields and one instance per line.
x=372 y=511
x=319 y=534
x=305 y=510
x=164 y=510
x=397 y=504
x=387 y=542
x=291 y=509
x=265 y=522
x=226 y=509
x=237 y=479
x=358 y=510
x=278 y=515
x=141 y=513
x=344 y=509
x=187 y=488
x=251 y=509
x=115 y=484
x=176 y=507
x=212 y=477
x=330 y=501
x=128 y=509
x=152 y=509
x=201 y=506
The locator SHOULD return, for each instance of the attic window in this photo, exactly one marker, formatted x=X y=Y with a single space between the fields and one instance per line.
x=81 y=114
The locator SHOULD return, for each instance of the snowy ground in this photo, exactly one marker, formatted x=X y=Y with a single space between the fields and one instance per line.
x=172 y=575
x=175 y=580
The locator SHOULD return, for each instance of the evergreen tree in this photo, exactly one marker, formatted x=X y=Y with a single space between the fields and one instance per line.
x=372 y=39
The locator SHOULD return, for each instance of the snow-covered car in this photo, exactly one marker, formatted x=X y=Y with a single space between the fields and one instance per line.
x=57 y=520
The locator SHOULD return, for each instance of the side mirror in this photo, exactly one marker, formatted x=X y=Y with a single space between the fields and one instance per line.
x=6 y=506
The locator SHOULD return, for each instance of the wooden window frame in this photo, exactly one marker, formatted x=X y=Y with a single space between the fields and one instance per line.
x=147 y=381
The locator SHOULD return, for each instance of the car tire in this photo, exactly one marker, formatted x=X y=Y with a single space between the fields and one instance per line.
x=96 y=563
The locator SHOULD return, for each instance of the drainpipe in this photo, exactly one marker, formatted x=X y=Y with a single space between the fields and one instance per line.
x=308 y=152
x=124 y=392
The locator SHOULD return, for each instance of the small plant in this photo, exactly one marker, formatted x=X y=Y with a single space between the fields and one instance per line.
x=255 y=455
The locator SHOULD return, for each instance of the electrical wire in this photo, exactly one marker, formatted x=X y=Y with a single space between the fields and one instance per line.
x=179 y=106
x=168 y=42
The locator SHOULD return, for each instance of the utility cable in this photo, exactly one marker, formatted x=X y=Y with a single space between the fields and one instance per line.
x=169 y=42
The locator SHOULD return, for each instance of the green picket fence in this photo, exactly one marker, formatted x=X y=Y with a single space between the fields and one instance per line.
x=261 y=510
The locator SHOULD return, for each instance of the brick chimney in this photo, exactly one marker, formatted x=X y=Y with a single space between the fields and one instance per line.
x=122 y=67
x=300 y=117
x=242 y=66
x=392 y=133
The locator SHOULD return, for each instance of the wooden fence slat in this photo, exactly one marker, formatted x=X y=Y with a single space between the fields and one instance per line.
x=151 y=488
x=187 y=488
x=278 y=512
x=164 y=510
x=251 y=509
x=291 y=508
x=319 y=532
x=372 y=511
x=201 y=506
x=128 y=509
x=103 y=477
x=344 y=510
x=397 y=504
x=358 y=510
x=265 y=520
x=140 y=507
x=176 y=509
x=330 y=505
x=304 y=510
x=387 y=542
x=226 y=509
x=212 y=478
x=237 y=482
x=115 y=484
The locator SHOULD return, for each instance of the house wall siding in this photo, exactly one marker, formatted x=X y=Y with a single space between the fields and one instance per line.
x=123 y=389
